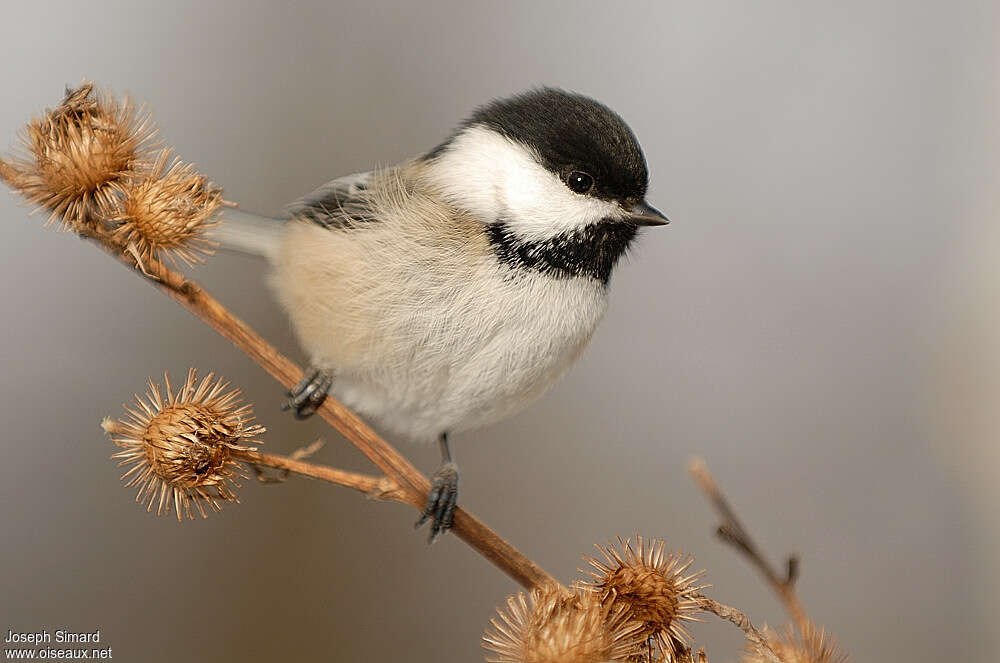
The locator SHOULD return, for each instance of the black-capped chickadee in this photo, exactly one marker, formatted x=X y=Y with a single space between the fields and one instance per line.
x=451 y=290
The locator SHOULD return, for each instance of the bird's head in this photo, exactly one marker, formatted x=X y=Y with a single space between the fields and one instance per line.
x=545 y=164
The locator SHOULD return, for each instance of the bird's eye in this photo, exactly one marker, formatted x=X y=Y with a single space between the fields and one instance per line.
x=579 y=181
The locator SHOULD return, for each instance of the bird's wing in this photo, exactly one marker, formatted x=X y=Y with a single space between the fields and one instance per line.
x=340 y=204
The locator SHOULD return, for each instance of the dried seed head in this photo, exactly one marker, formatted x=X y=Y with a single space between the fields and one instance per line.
x=557 y=625
x=653 y=587
x=77 y=155
x=813 y=647
x=180 y=448
x=168 y=212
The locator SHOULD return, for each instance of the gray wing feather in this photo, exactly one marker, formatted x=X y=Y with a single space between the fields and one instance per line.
x=340 y=204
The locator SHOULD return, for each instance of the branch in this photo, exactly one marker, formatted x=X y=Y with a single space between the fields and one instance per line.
x=741 y=621
x=732 y=532
x=381 y=488
x=125 y=213
x=408 y=486
x=384 y=488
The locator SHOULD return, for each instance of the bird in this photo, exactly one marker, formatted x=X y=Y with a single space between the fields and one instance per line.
x=449 y=291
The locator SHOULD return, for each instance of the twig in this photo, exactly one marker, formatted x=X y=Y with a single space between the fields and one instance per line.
x=732 y=532
x=382 y=488
x=734 y=616
x=299 y=454
x=409 y=485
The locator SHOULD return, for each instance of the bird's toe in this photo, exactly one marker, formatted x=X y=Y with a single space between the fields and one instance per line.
x=441 y=501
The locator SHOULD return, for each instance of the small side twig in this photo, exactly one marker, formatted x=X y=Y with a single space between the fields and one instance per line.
x=735 y=534
x=299 y=454
x=382 y=488
x=741 y=621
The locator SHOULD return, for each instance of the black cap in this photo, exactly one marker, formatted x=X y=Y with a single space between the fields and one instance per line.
x=569 y=132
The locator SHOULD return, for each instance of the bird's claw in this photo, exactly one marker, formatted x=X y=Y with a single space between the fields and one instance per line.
x=441 y=502
x=306 y=397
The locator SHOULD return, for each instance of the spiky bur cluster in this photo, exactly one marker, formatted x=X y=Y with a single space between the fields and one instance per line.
x=559 y=625
x=93 y=164
x=179 y=446
x=654 y=586
x=168 y=212
x=76 y=156
x=812 y=646
x=632 y=608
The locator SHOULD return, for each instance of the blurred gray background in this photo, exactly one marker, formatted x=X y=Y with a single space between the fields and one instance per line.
x=821 y=323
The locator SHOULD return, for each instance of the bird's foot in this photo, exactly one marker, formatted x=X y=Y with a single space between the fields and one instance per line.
x=306 y=397
x=441 y=501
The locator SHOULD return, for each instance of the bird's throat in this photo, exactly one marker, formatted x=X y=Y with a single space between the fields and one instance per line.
x=591 y=251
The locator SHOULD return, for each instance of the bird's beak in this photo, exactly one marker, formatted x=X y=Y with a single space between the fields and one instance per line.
x=644 y=214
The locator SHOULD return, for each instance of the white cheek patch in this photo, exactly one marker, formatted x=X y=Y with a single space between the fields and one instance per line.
x=497 y=179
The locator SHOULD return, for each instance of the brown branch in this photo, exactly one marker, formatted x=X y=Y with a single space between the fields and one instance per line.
x=382 y=488
x=409 y=485
x=402 y=482
x=735 y=534
x=301 y=453
x=734 y=616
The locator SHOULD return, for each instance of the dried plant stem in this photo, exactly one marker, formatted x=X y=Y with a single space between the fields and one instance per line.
x=88 y=162
x=382 y=488
x=409 y=485
x=734 y=616
x=735 y=534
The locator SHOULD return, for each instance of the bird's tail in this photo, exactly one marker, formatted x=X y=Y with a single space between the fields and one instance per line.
x=246 y=232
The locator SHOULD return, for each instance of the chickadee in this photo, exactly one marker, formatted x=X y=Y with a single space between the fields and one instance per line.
x=451 y=290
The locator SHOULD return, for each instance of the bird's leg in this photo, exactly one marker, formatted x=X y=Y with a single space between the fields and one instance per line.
x=306 y=397
x=443 y=497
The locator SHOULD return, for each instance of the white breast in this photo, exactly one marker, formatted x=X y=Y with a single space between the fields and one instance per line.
x=425 y=331
x=476 y=354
